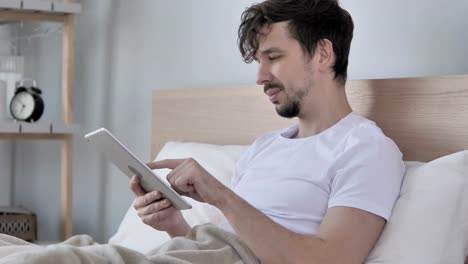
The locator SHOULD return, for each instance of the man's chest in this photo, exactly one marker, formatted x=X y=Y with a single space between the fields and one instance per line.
x=286 y=182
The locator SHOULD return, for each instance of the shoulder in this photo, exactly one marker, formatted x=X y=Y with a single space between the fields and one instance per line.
x=365 y=135
x=368 y=172
x=365 y=145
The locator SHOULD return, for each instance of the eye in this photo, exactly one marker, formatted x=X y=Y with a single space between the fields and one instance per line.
x=273 y=58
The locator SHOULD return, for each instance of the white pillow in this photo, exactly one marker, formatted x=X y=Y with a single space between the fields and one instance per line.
x=429 y=223
x=217 y=160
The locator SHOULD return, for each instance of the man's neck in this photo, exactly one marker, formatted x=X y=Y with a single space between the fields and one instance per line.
x=333 y=108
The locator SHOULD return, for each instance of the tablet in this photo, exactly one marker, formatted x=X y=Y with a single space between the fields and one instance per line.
x=129 y=164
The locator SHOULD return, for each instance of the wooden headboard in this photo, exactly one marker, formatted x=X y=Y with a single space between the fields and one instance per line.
x=427 y=117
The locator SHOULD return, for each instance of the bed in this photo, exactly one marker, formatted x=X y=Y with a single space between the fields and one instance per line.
x=427 y=117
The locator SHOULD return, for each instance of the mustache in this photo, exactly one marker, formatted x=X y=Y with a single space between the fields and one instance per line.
x=268 y=86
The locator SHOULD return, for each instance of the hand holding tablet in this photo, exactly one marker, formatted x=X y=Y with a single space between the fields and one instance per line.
x=130 y=165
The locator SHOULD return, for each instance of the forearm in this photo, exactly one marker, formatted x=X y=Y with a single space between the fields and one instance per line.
x=271 y=242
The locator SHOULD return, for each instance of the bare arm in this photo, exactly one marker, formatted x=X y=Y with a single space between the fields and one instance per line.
x=346 y=235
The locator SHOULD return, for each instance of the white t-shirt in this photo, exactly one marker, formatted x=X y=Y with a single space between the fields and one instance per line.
x=295 y=181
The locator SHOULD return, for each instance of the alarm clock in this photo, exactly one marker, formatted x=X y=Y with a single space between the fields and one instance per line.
x=27 y=104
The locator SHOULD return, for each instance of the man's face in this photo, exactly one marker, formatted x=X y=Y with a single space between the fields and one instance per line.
x=285 y=71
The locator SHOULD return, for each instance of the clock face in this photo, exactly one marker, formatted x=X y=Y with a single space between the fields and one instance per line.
x=22 y=105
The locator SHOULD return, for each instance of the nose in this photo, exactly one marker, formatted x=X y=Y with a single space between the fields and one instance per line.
x=264 y=74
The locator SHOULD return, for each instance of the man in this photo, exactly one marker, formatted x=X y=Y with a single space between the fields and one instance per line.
x=316 y=192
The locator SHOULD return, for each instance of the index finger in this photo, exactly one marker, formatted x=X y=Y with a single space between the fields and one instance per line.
x=165 y=164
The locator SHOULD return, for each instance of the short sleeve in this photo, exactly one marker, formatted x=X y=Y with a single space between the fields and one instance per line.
x=368 y=174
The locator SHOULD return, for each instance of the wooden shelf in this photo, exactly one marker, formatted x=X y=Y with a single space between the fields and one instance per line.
x=51 y=7
x=12 y=11
x=39 y=130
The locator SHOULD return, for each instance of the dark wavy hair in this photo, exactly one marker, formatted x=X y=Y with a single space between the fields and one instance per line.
x=309 y=21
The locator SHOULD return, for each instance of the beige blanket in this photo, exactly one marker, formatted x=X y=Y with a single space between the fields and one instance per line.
x=204 y=244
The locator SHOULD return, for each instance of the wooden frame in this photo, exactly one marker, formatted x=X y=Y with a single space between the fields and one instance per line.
x=14 y=15
x=67 y=106
x=68 y=62
x=427 y=117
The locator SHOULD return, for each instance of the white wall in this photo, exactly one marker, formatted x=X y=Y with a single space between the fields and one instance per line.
x=408 y=38
x=125 y=49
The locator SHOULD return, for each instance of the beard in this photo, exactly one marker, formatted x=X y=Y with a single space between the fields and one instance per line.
x=293 y=105
x=290 y=110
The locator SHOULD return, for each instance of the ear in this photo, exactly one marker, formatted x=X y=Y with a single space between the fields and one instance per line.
x=326 y=55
